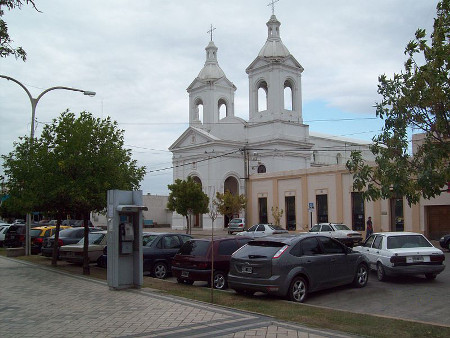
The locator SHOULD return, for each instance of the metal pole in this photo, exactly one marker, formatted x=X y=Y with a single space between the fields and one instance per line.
x=34 y=102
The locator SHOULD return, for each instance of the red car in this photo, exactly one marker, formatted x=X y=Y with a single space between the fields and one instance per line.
x=193 y=260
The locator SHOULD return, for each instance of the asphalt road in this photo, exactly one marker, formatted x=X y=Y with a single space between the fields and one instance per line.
x=412 y=298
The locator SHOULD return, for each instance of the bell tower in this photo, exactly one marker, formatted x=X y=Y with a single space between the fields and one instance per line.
x=209 y=92
x=275 y=81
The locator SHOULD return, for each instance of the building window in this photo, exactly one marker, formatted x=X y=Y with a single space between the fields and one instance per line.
x=290 y=212
x=261 y=169
x=262 y=207
x=322 y=208
x=358 y=212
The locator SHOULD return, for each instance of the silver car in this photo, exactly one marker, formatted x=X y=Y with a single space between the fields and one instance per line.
x=293 y=266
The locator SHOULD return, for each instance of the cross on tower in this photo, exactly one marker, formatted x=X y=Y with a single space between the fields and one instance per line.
x=212 y=29
x=272 y=3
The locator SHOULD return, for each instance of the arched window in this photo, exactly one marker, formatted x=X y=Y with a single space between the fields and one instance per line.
x=338 y=158
x=198 y=111
x=288 y=97
x=261 y=169
x=223 y=108
x=232 y=185
x=262 y=96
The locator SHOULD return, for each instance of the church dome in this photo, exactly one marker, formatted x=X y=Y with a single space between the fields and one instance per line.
x=211 y=70
x=274 y=47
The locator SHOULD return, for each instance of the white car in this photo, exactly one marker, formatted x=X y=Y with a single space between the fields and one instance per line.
x=73 y=253
x=3 y=228
x=338 y=231
x=261 y=230
x=402 y=253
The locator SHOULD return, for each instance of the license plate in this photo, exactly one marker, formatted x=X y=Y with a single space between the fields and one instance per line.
x=414 y=259
x=247 y=269
x=184 y=273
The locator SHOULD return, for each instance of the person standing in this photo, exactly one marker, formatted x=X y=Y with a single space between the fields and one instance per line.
x=369 y=227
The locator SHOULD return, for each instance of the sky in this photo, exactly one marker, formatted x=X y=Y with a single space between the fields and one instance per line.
x=140 y=56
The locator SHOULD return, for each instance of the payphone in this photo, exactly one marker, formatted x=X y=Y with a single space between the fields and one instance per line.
x=125 y=219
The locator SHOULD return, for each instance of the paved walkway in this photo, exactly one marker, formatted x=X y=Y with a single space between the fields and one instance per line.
x=38 y=301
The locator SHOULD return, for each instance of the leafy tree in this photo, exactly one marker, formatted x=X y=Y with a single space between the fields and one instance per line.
x=187 y=198
x=5 y=40
x=277 y=214
x=229 y=204
x=417 y=98
x=69 y=169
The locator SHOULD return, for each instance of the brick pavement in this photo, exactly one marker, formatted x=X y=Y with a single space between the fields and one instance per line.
x=40 y=301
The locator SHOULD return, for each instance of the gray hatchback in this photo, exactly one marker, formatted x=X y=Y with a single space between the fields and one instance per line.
x=295 y=265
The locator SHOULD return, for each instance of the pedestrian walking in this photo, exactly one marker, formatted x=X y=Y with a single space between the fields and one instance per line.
x=369 y=227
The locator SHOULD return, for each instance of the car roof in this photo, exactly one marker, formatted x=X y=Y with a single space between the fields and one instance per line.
x=392 y=233
x=285 y=238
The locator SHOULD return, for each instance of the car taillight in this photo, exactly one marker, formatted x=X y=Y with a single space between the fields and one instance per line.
x=241 y=225
x=398 y=259
x=60 y=242
x=280 y=252
x=38 y=240
x=437 y=258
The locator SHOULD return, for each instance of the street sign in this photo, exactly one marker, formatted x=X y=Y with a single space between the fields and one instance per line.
x=311 y=206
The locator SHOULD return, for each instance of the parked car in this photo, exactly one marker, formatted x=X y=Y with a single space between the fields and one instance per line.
x=3 y=228
x=158 y=250
x=260 y=230
x=338 y=231
x=295 y=265
x=402 y=253
x=68 y=235
x=75 y=222
x=38 y=234
x=73 y=253
x=236 y=225
x=445 y=242
x=193 y=260
x=15 y=236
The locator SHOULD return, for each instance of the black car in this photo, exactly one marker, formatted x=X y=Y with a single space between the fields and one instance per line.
x=66 y=236
x=445 y=242
x=15 y=236
x=158 y=249
x=294 y=266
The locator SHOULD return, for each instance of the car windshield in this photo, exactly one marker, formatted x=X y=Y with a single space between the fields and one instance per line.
x=266 y=244
x=148 y=240
x=407 y=241
x=315 y=228
x=341 y=227
x=194 y=248
x=94 y=238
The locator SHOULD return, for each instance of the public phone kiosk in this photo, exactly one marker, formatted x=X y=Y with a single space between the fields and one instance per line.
x=125 y=221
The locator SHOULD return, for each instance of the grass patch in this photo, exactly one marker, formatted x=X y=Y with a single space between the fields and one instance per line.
x=353 y=323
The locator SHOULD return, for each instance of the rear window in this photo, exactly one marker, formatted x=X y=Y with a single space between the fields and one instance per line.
x=341 y=227
x=407 y=241
x=94 y=238
x=35 y=232
x=236 y=220
x=226 y=248
x=194 y=248
x=266 y=244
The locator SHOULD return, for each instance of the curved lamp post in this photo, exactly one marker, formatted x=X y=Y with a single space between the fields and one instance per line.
x=34 y=102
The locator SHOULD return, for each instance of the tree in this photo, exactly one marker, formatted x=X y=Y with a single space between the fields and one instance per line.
x=187 y=198
x=5 y=41
x=229 y=204
x=69 y=169
x=417 y=98
x=277 y=214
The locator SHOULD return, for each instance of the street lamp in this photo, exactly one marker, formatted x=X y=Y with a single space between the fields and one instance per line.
x=34 y=102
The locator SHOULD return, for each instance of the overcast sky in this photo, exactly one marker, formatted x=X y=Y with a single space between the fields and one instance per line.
x=140 y=56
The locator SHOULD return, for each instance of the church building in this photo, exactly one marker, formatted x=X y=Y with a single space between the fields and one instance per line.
x=222 y=151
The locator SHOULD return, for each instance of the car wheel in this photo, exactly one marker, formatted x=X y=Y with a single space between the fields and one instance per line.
x=298 y=290
x=430 y=276
x=185 y=281
x=220 y=281
x=381 y=275
x=362 y=276
x=160 y=270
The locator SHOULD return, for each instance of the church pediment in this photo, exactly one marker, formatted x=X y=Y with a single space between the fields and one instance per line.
x=193 y=137
x=199 y=83
x=263 y=61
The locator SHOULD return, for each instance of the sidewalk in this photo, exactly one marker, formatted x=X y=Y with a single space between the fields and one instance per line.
x=38 y=301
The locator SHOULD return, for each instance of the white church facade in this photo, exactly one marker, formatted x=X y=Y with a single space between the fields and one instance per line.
x=221 y=151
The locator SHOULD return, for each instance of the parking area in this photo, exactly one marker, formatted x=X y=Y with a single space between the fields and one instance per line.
x=412 y=298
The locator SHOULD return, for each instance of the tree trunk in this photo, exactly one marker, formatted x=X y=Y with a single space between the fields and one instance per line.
x=86 y=268
x=55 y=243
